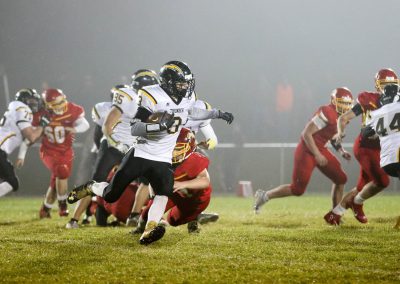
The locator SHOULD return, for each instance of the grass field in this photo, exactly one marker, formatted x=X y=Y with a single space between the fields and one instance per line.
x=288 y=242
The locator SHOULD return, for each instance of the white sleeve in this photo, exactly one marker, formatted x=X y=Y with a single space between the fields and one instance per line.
x=23 y=148
x=96 y=115
x=23 y=117
x=210 y=136
x=122 y=100
x=81 y=124
x=146 y=101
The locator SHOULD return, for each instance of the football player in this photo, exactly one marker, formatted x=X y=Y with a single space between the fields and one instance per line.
x=372 y=178
x=114 y=119
x=56 y=152
x=152 y=155
x=312 y=152
x=15 y=126
x=192 y=188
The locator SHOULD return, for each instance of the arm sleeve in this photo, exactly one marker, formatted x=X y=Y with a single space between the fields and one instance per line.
x=23 y=148
x=357 y=109
x=197 y=165
x=81 y=124
x=210 y=136
x=202 y=114
x=23 y=117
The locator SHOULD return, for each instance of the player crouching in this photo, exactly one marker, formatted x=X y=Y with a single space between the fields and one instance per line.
x=192 y=188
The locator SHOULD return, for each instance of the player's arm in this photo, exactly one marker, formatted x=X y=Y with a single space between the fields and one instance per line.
x=344 y=119
x=317 y=123
x=23 y=148
x=111 y=120
x=97 y=135
x=201 y=182
x=211 y=139
x=80 y=125
x=32 y=134
x=203 y=114
x=339 y=148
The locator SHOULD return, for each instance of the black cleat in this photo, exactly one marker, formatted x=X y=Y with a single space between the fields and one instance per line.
x=205 y=218
x=152 y=233
x=80 y=192
x=193 y=227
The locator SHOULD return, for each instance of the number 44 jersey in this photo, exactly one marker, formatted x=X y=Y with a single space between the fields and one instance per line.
x=386 y=123
x=56 y=137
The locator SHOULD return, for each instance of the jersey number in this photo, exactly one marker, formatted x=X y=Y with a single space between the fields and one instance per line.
x=394 y=125
x=117 y=98
x=175 y=127
x=56 y=134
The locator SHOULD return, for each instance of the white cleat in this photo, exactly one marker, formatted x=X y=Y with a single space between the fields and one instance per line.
x=72 y=224
x=260 y=198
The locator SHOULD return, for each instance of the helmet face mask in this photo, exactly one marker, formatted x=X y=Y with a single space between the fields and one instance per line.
x=143 y=78
x=30 y=97
x=385 y=77
x=184 y=147
x=55 y=101
x=177 y=80
x=342 y=99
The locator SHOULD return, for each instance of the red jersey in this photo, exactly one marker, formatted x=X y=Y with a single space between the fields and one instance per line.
x=326 y=119
x=368 y=102
x=55 y=136
x=189 y=169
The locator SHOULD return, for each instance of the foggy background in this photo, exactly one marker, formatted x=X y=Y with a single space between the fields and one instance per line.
x=271 y=63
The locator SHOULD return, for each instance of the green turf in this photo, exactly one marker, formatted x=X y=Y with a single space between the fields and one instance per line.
x=288 y=242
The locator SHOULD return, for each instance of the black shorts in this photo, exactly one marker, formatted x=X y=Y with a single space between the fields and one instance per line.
x=7 y=172
x=392 y=169
x=159 y=174
x=107 y=158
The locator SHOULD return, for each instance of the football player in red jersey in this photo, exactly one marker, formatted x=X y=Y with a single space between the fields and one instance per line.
x=66 y=119
x=372 y=179
x=311 y=152
x=192 y=188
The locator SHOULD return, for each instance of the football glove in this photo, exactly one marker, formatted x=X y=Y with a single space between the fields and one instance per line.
x=166 y=121
x=44 y=121
x=227 y=116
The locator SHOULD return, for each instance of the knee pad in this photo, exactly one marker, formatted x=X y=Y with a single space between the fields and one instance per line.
x=62 y=171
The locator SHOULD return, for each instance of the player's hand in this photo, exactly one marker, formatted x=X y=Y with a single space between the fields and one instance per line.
x=166 y=121
x=70 y=129
x=346 y=155
x=338 y=137
x=227 y=116
x=203 y=145
x=322 y=161
x=19 y=163
x=44 y=121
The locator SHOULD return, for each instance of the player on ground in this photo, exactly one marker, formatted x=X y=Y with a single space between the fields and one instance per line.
x=15 y=126
x=311 y=152
x=66 y=119
x=115 y=123
x=192 y=189
x=372 y=179
x=152 y=155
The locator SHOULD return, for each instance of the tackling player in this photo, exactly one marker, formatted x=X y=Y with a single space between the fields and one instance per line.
x=15 y=125
x=312 y=152
x=66 y=119
x=152 y=155
x=372 y=178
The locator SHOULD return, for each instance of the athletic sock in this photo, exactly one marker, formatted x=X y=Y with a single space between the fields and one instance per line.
x=339 y=210
x=47 y=205
x=5 y=188
x=98 y=188
x=358 y=199
x=157 y=209
x=62 y=197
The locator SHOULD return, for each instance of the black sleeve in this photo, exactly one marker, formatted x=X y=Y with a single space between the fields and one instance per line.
x=98 y=133
x=335 y=145
x=142 y=114
x=367 y=131
x=357 y=109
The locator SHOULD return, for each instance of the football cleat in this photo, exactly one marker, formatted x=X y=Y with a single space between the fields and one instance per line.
x=260 y=198
x=72 y=224
x=140 y=227
x=332 y=218
x=205 y=218
x=63 y=208
x=133 y=219
x=397 y=226
x=152 y=233
x=193 y=227
x=358 y=212
x=80 y=192
x=86 y=220
x=44 y=212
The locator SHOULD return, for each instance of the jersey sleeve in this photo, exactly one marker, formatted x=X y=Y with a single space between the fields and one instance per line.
x=23 y=117
x=196 y=163
x=122 y=100
x=368 y=101
x=324 y=117
x=96 y=115
x=147 y=101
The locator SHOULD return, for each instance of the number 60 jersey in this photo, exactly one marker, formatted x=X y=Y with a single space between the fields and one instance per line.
x=155 y=99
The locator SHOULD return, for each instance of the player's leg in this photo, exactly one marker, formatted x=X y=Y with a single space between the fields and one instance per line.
x=141 y=198
x=9 y=181
x=304 y=164
x=49 y=199
x=161 y=178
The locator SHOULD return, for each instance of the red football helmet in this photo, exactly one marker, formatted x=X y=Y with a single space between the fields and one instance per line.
x=342 y=99
x=385 y=77
x=55 y=101
x=185 y=146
